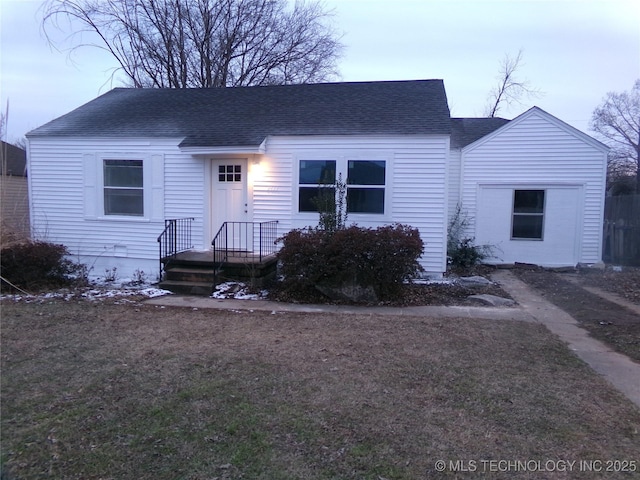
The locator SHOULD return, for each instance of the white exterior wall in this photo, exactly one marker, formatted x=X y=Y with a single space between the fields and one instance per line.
x=455 y=159
x=415 y=192
x=537 y=151
x=66 y=192
x=66 y=199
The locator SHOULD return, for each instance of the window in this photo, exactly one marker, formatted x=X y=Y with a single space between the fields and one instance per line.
x=123 y=187
x=230 y=173
x=315 y=178
x=365 y=181
x=365 y=186
x=528 y=214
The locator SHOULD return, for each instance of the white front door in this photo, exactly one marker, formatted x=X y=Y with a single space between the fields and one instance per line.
x=229 y=187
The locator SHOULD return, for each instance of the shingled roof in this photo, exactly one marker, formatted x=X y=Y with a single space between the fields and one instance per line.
x=465 y=131
x=245 y=116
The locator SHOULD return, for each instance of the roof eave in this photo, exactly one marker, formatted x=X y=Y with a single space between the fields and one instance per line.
x=230 y=149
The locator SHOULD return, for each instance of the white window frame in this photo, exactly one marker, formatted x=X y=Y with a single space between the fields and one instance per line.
x=309 y=185
x=382 y=187
x=542 y=214
x=106 y=188
x=152 y=185
x=342 y=168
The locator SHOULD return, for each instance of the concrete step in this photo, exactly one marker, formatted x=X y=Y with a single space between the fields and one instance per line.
x=192 y=274
x=187 y=288
x=189 y=274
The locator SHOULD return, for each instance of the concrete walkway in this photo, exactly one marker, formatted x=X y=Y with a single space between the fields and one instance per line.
x=490 y=313
x=619 y=370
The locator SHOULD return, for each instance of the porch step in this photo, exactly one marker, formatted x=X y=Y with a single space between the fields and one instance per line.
x=194 y=274
x=187 y=288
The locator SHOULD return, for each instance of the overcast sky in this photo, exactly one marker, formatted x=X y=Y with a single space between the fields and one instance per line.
x=574 y=51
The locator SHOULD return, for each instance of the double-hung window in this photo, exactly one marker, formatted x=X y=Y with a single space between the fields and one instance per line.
x=528 y=214
x=123 y=187
x=317 y=181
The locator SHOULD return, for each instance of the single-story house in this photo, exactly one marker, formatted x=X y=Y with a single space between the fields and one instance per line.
x=14 y=200
x=105 y=177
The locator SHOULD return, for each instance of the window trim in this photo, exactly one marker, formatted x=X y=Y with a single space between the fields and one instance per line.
x=342 y=167
x=316 y=186
x=359 y=186
x=542 y=214
x=106 y=187
x=149 y=187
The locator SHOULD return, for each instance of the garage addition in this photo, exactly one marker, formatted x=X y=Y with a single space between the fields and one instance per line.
x=534 y=190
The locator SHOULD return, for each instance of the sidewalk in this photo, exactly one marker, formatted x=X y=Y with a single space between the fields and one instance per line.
x=490 y=313
x=619 y=370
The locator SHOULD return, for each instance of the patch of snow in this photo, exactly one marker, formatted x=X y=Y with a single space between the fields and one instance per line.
x=237 y=291
x=97 y=292
x=249 y=296
x=432 y=281
x=154 y=292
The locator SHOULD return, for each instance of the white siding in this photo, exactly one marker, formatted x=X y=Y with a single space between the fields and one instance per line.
x=415 y=193
x=536 y=151
x=66 y=192
x=65 y=196
x=455 y=159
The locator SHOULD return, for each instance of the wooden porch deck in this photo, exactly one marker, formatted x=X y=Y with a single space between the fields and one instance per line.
x=206 y=257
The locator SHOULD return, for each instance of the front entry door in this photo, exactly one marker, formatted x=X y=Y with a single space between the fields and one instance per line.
x=229 y=186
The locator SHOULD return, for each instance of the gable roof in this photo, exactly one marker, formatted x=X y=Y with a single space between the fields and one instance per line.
x=15 y=160
x=548 y=117
x=465 y=131
x=245 y=116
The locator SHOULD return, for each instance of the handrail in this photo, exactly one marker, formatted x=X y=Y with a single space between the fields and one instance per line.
x=217 y=243
x=175 y=238
x=250 y=240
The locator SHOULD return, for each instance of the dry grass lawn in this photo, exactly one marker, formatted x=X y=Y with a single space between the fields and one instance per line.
x=132 y=391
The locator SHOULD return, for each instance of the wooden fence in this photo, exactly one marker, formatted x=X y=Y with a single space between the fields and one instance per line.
x=621 y=239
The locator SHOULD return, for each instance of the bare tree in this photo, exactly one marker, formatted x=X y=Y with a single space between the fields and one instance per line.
x=205 y=43
x=617 y=122
x=509 y=89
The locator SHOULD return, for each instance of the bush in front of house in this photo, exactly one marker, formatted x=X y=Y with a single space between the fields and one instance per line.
x=462 y=252
x=466 y=253
x=381 y=259
x=35 y=265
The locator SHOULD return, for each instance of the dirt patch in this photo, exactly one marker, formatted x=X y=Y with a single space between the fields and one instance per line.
x=605 y=320
x=623 y=281
x=100 y=390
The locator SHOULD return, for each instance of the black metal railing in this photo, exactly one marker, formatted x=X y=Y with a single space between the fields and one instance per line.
x=244 y=240
x=175 y=238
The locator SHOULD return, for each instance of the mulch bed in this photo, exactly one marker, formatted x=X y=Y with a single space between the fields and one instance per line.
x=446 y=294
